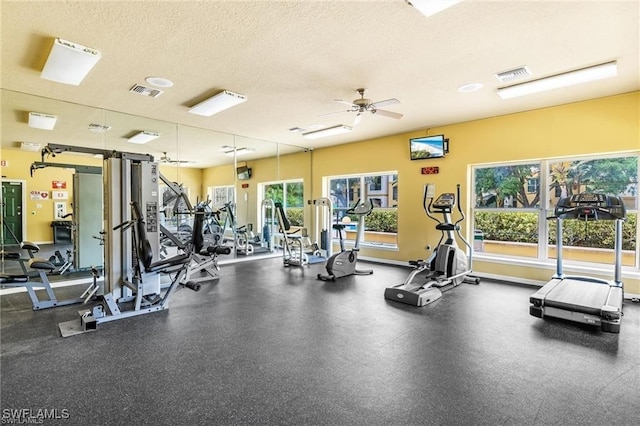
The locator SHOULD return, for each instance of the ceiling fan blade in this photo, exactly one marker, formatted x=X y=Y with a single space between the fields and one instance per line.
x=343 y=102
x=388 y=113
x=386 y=102
x=356 y=121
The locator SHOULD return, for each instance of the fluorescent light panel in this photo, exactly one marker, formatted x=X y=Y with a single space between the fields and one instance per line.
x=69 y=62
x=39 y=120
x=217 y=103
x=144 y=137
x=329 y=131
x=30 y=146
x=583 y=75
x=431 y=7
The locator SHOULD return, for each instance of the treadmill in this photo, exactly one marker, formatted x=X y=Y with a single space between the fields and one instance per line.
x=582 y=299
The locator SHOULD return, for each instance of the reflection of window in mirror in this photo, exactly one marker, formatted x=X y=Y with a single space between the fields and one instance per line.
x=220 y=195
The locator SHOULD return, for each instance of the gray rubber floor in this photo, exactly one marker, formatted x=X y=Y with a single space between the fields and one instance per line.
x=272 y=345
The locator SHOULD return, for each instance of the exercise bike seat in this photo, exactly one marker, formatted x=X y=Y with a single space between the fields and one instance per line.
x=10 y=279
x=40 y=263
x=27 y=245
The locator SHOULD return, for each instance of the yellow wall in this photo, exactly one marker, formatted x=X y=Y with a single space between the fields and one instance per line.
x=39 y=213
x=585 y=128
x=189 y=178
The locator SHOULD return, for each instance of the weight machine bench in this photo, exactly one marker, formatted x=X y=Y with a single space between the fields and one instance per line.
x=42 y=266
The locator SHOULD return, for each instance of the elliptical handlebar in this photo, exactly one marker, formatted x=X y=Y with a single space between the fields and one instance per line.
x=427 y=208
x=459 y=206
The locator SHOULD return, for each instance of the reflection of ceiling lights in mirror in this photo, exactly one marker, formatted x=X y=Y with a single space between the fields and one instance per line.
x=69 y=62
x=143 y=137
x=38 y=120
x=329 y=131
x=583 y=75
x=30 y=146
x=98 y=128
x=229 y=150
x=217 y=103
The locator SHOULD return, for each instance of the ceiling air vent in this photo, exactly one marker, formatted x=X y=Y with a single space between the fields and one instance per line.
x=98 y=128
x=514 y=74
x=146 y=91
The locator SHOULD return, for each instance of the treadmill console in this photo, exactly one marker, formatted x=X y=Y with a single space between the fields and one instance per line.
x=590 y=206
x=444 y=202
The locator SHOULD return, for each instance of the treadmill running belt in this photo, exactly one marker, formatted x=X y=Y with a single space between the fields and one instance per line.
x=578 y=296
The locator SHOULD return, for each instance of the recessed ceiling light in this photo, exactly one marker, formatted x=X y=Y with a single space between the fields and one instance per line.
x=143 y=137
x=39 y=120
x=215 y=104
x=159 y=81
x=570 y=78
x=69 y=62
x=471 y=87
x=329 y=131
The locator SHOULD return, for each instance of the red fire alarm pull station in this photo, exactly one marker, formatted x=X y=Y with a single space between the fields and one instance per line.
x=434 y=170
x=245 y=185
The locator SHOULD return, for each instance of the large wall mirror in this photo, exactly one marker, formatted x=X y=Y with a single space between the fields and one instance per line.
x=212 y=167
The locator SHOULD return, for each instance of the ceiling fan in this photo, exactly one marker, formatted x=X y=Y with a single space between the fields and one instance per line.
x=362 y=105
x=167 y=160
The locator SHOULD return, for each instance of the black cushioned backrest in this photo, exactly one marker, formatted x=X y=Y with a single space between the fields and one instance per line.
x=198 y=227
x=283 y=217
x=143 y=249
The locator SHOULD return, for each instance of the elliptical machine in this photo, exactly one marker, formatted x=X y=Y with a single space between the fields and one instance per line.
x=344 y=263
x=447 y=267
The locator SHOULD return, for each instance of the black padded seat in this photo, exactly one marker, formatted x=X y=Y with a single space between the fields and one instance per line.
x=9 y=279
x=28 y=245
x=40 y=263
x=9 y=255
x=179 y=259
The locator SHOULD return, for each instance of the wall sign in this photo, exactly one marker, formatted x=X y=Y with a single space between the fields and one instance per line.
x=59 y=184
x=39 y=195
x=433 y=170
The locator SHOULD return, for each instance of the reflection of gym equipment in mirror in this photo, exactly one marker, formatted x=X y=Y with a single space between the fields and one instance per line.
x=86 y=215
x=582 y=299
x=344 y=263
x=447 y=267
x=42 y=267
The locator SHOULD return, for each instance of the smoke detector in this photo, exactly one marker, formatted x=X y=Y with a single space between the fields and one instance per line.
x=512 y=75
x=146 y=91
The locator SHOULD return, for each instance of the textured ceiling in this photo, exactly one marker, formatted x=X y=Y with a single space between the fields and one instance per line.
x=292 y=59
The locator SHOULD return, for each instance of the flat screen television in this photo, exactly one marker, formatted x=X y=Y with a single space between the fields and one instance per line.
x=244 y=173
x=428 y=147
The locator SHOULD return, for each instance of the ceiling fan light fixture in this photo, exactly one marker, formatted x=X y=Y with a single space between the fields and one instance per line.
x=570 y=78
x=69 y=62
x=143 y=137
x=329 y=131
x=223 y=100
x=39 y=120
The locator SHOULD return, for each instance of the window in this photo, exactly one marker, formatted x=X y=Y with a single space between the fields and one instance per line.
x=380 y=189
x=221 y=195
x=291 y=195
x=510 y=209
